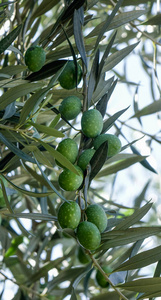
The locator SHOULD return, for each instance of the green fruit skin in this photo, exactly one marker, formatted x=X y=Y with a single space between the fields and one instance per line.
x=88 y=235
x=92 y=123
x=70 y=107
x=114 y=143
x=35 y=58
x=101 y=281
x=2 y=201
x=69 y=149
x=67 y=78
x=69 y=215
x=96 y=215
x=69 y=181
x=82 y=256
x=85 y=158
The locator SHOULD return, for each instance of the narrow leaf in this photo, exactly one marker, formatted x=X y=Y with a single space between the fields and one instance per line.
x=79 y=37
x=118 y=56
x=33 y=101
x=45 y=6
x=119 y=165
x=149 y=109
x=106 y=97
x=32 y=216
x=26 y=192
x=7 y=40
x=47 y=70
x=102 y=88
x=111 y=120
x=93 y=78
x=144 y=285
x=98 y=159
x=16 y=150
x=14 y=93
x=135 y=217
x=106 y=53
x=141 y=260
x=124 y=237
x=9 y=111
x=12 y=70
x=107 y=23
x=49 y=182
x=102 y=105
x=118 y=20
x=138 y=200
x=10 y=208
x=59 y=157
x=155 y=20
x=48 y=130
x=144 y=162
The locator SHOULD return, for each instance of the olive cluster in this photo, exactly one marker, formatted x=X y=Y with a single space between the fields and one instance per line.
x=88 y=224
x=91 y=127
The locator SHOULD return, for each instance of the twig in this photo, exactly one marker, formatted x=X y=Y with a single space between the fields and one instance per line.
x=105 y=276
x=134 y=26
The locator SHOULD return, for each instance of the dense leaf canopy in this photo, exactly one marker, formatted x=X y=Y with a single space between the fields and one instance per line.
x=39 y=258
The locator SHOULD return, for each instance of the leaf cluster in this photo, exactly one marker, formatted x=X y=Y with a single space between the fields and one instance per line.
x=96 y=34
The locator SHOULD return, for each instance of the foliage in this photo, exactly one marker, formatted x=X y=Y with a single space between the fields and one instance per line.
x=98 y=35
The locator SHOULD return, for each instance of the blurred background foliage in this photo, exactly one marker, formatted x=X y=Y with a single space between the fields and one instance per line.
x=118 y=47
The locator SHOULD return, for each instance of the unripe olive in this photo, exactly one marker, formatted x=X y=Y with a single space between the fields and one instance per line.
x=70 y=107
x=70 y=181
x=85 y=158
x=69 y=214
x=69 y=148
x=96 y=215
x=82 y=256
x=114 y=143
x=92 y=123
x=88 y=235
x=35 y=58
x=67 y=78
x=2 y=200
x=100 y=279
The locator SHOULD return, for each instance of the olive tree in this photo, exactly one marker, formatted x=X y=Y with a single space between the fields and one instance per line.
x=68 y=148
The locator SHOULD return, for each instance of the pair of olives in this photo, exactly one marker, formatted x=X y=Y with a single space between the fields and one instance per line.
x=88 y=232
x=68 y=147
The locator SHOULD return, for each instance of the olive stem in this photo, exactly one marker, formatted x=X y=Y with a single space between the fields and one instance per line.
x=105 y=276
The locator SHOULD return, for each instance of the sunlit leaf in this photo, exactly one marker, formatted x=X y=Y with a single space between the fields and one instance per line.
x=78 y=36
x=118 y=56
x=16 y=150
x=118 y=20
x=135 y=217
x=45 y=6
x=111 y=120
x=47 y=130
x=149 y=109
x=7 y=40
x=25 y=191
x=98 y=159
x=59 y=157
x=144 y=285
x=124 y=237
x=107 y=23
x=33 y=216
x=14 y=93
x=119 y=164
x=141 y=260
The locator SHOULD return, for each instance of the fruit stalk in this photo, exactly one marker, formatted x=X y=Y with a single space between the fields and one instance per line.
x=96 y=264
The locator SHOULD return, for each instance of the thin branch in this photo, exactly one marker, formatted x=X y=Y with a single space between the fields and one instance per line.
x=134 y=26
x=105 y=276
